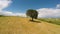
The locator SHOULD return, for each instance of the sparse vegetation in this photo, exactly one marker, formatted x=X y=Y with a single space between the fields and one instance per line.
x=51 y=20
x=20 y=25
x=1 y=15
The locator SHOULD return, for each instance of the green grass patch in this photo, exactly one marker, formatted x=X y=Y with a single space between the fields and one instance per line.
x=51 y=20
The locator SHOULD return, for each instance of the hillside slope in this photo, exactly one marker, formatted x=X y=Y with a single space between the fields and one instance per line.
x=20 y=25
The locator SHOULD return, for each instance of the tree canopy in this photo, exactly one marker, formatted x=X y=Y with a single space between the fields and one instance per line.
x=32 y=13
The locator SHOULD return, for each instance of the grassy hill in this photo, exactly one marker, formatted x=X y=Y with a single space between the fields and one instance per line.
x=20 y=25
x=51 y=20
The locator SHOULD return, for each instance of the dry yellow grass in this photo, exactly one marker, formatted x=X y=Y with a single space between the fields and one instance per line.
x=20 y=25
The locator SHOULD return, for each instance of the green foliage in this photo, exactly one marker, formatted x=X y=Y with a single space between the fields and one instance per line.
x=51 y=20
x=32 y=13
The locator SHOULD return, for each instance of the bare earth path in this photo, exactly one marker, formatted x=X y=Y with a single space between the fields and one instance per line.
x=19 y=25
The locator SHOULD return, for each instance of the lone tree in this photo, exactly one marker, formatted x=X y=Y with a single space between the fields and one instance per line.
x=32 y=13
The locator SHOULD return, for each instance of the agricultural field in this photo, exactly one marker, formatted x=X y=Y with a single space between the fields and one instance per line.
x=21 y=25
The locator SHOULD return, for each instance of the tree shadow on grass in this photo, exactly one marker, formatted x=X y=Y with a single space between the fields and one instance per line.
x=35 y=21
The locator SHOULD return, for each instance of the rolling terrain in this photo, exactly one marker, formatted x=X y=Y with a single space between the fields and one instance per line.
x=21 y=25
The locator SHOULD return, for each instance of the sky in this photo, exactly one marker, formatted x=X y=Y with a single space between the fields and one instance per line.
x=45 y=8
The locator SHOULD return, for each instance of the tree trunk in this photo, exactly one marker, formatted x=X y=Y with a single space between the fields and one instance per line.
x=32 y=19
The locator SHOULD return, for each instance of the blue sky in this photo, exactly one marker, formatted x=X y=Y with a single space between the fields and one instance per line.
x=23 y=5
x=45 y=8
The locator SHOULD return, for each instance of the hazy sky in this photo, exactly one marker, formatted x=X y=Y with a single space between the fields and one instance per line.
x=45 y=8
